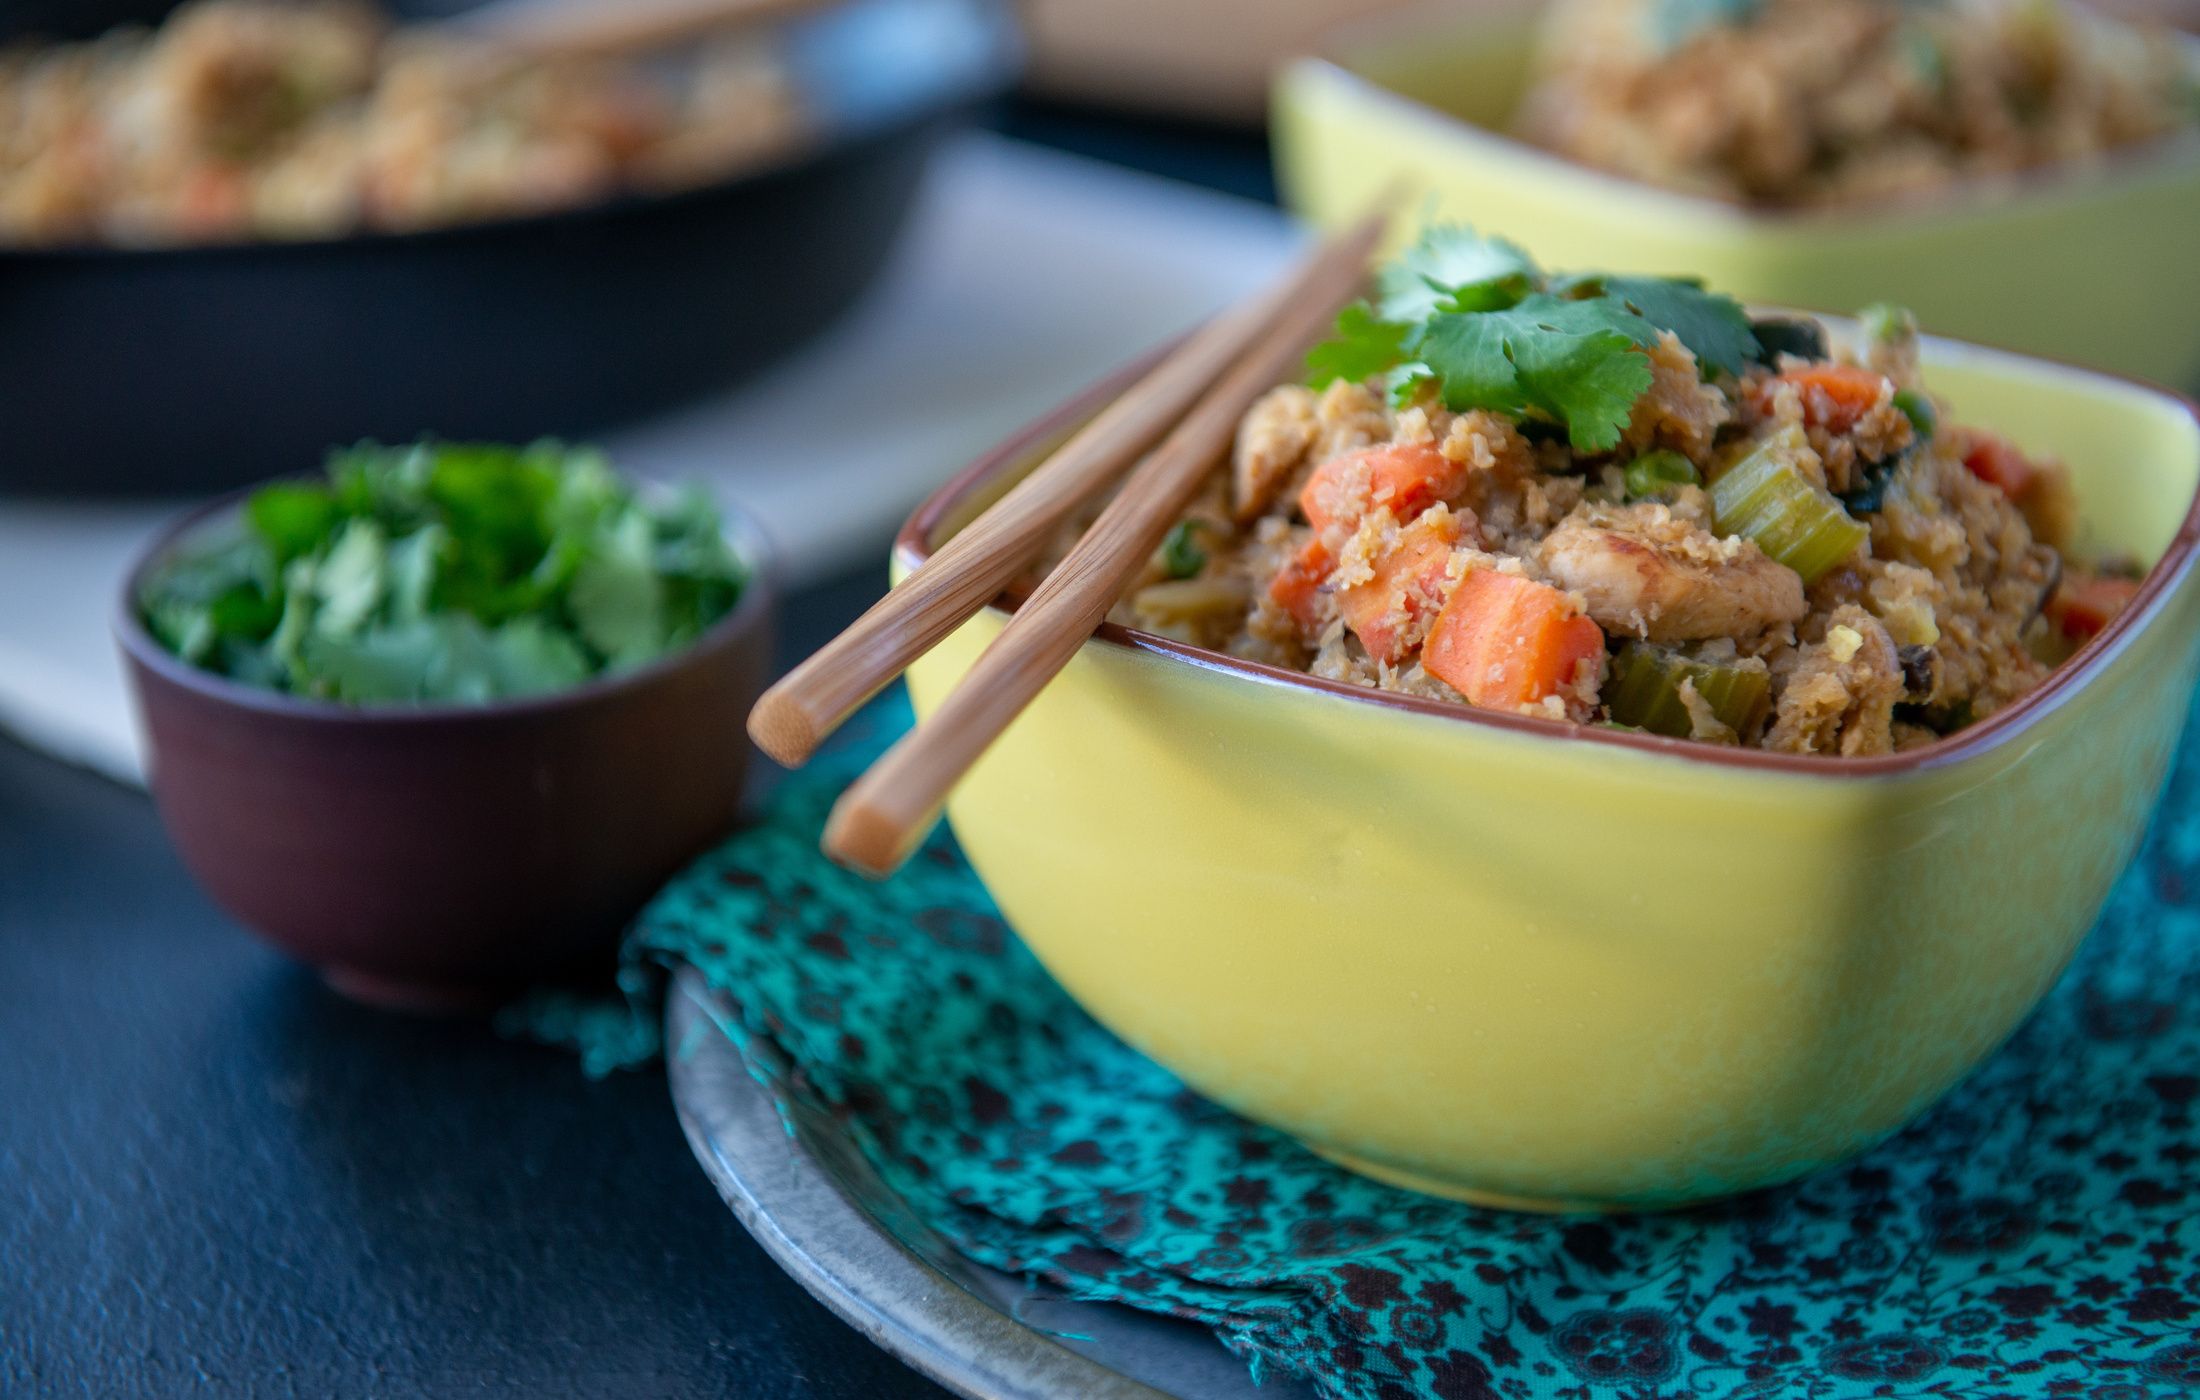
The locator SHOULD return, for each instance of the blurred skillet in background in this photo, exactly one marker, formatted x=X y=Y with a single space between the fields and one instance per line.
x=172 y=369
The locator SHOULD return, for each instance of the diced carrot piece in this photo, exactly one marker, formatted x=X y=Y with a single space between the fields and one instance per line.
x=1834 y=396
x=1298 y=583
x=1504 y=641
x=2082 y=607
x=1407 y=477
x=1386 y=611
x=1997 y=462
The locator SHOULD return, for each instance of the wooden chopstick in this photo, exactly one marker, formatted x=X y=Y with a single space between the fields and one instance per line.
x=977 y=562
x=883 y=815
x=595 y=29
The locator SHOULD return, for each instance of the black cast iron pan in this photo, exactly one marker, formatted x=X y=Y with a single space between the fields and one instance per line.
x=158 y=371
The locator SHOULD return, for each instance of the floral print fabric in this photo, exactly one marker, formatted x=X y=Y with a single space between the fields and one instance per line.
x=2037 y=1234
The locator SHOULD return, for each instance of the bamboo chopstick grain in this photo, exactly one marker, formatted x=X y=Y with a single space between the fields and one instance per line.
x=882 y=816
x=972 y=567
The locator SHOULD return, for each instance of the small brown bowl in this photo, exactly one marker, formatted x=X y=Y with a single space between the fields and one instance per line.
x=441 y=857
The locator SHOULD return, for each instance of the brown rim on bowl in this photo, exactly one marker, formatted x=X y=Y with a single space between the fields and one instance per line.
x=2067 y=180
x=757 y=593
x=912 y=546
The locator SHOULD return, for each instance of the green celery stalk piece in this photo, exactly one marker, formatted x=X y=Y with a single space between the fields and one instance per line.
x=1766 y=498
x=1643 y=689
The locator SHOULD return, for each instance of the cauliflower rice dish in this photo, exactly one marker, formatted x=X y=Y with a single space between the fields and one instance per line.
x=256 y=119
x=1825 y=102
x=1622 y=500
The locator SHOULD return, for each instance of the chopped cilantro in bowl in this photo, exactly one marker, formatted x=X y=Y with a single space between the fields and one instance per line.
x=444 y=573
x=1477 y=318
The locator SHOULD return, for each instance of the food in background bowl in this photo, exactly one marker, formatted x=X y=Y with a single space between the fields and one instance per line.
x=244 y=119
x=2090 y=262
x=447 y=720
x=446 y=573
x=1822 y=102
x=1621 y=499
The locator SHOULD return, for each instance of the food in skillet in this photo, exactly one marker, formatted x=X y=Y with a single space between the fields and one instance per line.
x=1827 y=102
x=1620 y=499
x=445 y=573
x=243 y=119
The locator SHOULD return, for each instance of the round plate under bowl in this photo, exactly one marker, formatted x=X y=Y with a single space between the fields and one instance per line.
x=810 y=1197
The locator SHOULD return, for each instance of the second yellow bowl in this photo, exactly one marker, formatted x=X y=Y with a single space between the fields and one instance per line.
x=2098 y=266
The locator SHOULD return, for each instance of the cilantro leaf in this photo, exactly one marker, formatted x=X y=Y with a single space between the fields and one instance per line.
x=1577 y=362
x=1405 y=381
x=528 y=656
x=1716 y=328
x=292 y=516
x=445 y=573
x=1362 y=347
x=1589 y=381
x=617 y=598
x=1468 y=355
x=1448 y=264
x=350 y=579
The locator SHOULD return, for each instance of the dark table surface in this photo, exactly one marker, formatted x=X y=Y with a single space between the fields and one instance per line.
x=218 y=1178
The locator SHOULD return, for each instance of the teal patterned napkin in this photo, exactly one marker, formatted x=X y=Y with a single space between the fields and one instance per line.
x=2035 y=1235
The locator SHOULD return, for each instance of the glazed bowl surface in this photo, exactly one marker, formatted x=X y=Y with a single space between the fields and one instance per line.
x=2094 y=265
x=1541 y=965
x=442 y=857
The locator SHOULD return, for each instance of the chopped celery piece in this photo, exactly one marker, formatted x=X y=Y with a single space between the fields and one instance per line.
x=1653 y=472
x=1919 y=410
x=1643 y=689
x=1765 y=497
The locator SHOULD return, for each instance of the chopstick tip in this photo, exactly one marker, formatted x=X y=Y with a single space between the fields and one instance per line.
x=863 y=839
x=783 y=730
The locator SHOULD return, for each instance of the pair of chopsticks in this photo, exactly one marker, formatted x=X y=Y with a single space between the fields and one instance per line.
x=1167 y=432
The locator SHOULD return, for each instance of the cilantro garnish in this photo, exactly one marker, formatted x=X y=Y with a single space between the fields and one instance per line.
x=1476 y=316
x=1364 y=346
x=1449 y=265
x=445 y=572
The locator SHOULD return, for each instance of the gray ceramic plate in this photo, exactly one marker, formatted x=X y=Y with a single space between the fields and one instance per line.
x=807 y=1194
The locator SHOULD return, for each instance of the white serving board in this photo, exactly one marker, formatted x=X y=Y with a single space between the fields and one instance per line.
x=1026 y=274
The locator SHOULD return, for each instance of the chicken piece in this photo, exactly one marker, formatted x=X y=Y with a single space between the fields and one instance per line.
x=1645 y=572
x=1271 y=444
x=1840 y=695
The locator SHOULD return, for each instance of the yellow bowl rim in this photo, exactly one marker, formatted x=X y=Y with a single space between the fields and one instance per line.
x=2151 y=163
x=913 y=547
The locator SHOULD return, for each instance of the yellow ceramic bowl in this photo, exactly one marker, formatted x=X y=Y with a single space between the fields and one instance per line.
x=1529 y=963
x=2100 y=266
